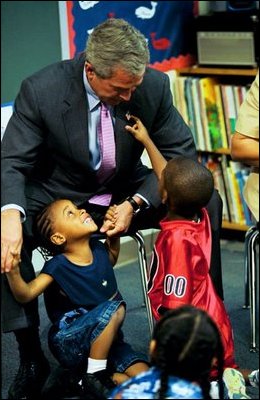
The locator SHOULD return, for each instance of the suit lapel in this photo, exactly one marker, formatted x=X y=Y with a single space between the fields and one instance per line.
x=124 y=140
x=75 y=119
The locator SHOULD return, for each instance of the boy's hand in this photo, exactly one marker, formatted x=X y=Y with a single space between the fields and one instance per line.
x=138 y=130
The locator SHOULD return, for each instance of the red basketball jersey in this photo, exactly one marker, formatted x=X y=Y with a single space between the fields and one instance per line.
x=179 y=274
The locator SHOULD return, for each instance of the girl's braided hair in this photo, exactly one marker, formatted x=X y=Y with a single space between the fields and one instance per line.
x=187 y=340
x=45 y=228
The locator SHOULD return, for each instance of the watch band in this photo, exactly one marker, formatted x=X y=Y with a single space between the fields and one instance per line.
x=134 y=204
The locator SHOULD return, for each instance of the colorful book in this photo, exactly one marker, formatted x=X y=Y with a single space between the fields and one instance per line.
x=242 y=173
x=230 y=110
x=190 y=109
x=209 y=98
x=224 y=166
x=181 y=104
x=204 y=117
x=239 y=210
x=222 y=125
x=197 y=114
x=226 y=115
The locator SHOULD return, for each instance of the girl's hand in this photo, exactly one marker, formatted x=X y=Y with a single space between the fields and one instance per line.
x=110 y=219
x=120 y=222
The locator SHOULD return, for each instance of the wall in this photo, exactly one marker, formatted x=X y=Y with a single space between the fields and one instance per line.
x=30 y=35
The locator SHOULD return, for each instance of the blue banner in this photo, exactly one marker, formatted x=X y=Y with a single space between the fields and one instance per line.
x=167 y=25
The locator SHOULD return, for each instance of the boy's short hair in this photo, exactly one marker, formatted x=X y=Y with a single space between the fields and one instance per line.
x=189 y=185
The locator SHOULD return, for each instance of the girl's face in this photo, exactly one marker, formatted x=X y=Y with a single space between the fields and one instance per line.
x=71 y=222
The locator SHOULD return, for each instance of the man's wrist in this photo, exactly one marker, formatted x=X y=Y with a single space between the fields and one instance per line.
x=135 y=206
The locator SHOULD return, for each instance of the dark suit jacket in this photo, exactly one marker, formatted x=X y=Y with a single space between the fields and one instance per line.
x=45 y=146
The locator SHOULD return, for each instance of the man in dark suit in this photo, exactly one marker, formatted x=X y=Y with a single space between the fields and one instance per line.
x=50 y=150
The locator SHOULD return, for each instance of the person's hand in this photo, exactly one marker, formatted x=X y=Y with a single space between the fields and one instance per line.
x=118 y=220
x=11 y=239
x=15 y=264
x=138 y=130
x=109 y=219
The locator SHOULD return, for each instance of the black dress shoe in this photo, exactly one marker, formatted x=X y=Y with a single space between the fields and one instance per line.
x=62 y=383
x=29 y=380
x=98 y=385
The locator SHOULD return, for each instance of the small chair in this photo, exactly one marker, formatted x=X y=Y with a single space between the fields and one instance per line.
x=138 y=237
x=250 y=276
x=143 y=267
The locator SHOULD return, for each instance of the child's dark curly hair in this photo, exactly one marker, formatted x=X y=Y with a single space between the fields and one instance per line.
x=187 y=340
x=189 y=185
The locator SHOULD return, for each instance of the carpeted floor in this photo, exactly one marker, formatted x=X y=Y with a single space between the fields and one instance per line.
x=136 y=326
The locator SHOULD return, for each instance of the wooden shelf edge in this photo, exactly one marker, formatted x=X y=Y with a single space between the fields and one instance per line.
x=196 y=70
x=217 y=151
x=234 y=226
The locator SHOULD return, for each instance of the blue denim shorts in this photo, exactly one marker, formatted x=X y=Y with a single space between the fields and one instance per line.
x=71 y=343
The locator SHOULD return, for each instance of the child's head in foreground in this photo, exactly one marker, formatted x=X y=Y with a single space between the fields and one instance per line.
x=186 y=342
x=62 y=223
x=186 y=186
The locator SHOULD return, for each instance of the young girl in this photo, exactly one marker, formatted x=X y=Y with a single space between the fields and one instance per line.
x=82 y=299
x=185 y=344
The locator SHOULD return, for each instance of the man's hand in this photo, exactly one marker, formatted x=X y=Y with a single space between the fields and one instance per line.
x=11 y=239
x=117 y=219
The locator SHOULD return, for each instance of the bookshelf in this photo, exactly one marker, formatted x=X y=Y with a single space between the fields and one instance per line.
x=209 y=98
x=196 y=70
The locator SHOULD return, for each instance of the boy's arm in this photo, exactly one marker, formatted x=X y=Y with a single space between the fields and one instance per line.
x=139 y=131
x=25 y=292
x=113 y=246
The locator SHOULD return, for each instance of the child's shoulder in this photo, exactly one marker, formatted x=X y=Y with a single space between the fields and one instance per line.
x=96 y=243
x=53 y=262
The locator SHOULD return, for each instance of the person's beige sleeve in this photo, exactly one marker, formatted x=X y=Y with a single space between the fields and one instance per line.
x=248 y=117
x=248 y=125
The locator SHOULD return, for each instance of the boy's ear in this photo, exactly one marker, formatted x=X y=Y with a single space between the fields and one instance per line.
x=57 y=238
x=152 y=347
x=164 y=196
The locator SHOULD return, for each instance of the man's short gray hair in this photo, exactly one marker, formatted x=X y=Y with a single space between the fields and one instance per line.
x=117 y=44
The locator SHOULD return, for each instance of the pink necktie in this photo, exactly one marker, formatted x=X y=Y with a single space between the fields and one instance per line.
x=107 y=154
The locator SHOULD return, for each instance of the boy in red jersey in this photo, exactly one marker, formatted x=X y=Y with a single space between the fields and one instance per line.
x=179 y=270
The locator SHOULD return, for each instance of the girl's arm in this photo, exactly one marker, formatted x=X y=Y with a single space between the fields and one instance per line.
x=25 y=292
x=113 y=246
x=140 y=133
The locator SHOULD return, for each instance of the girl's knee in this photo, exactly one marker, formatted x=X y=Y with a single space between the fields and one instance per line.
x=119 y=315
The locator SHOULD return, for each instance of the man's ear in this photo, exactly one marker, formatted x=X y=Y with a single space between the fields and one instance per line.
x=89 y=70
x=57 y=238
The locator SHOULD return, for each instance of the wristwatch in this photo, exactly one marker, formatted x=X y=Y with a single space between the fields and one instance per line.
x=134 y=204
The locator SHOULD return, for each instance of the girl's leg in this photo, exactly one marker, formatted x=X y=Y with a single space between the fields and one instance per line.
x=136 y=369
x=97 y=381
x=101 y=346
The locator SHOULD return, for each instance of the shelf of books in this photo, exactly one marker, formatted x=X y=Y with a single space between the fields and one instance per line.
x=209 y=100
